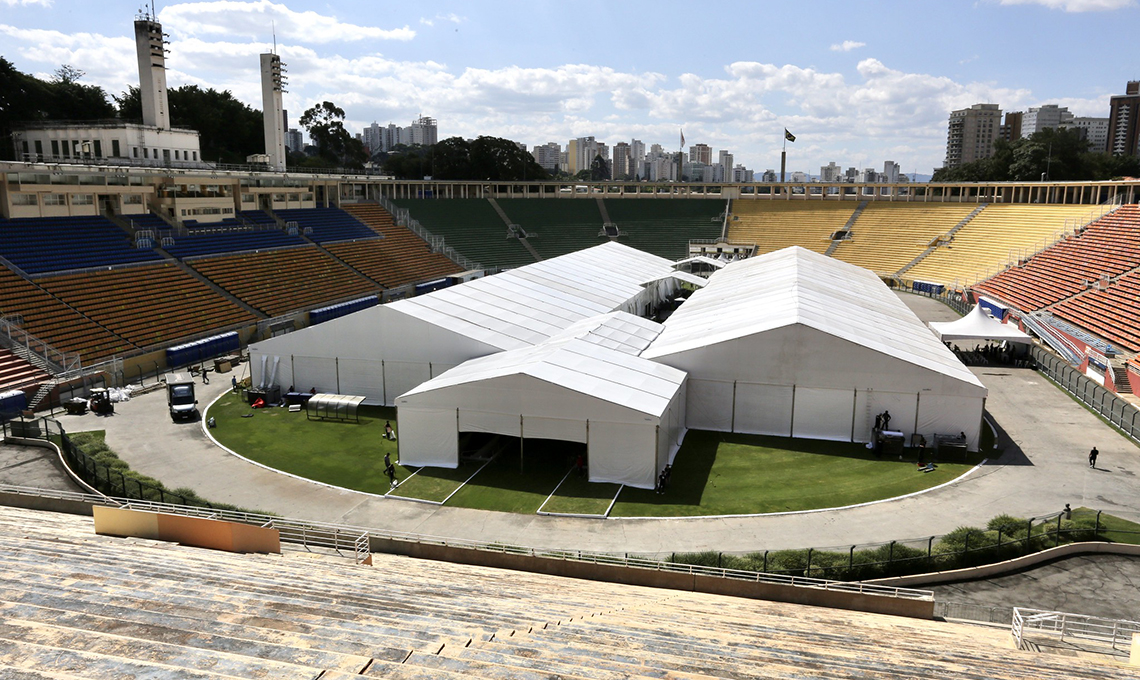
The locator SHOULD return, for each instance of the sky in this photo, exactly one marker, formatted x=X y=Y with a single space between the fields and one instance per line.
x=856 y=83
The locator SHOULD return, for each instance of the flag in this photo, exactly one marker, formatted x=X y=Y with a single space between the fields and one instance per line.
x=789 y=136
x=682 y=138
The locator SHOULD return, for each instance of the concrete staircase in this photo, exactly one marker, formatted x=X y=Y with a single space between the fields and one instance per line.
x=17 y=373
x=948 y=237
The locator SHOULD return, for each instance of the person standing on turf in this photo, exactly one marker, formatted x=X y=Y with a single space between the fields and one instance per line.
x=1092 y=457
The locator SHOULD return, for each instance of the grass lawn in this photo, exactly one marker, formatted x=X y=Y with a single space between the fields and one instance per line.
x=578 y=496
x=1112 y=528
x=345 y=454
x=436 y=484
x=720 y=474
x=503 y=486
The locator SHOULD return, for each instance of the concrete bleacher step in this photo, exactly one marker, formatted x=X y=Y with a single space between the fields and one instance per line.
x=100 y=666
x=286 y=647
x=12 y=673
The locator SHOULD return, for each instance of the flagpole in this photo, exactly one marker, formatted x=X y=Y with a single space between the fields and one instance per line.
x=784 y=157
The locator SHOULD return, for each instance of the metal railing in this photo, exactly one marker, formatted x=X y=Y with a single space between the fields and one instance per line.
x=35 y=351
x=1118 y=412
x=1095 y=629
x=319 y=534
x=438 y=243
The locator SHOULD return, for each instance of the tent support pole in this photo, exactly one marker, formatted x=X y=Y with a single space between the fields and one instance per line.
x=732 y=424
x=521 y=440
x=917 y=406
x=792 y=423
x=384 y=387
x=854 y=410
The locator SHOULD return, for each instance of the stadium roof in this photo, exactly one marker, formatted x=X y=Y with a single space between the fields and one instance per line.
x=798 y=286
x=528 y=305
x=597 y=357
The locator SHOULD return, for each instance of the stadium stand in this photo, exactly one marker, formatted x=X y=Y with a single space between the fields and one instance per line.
x=45 y=317
x=400 y=257
x=888 y=236
x=74 y=604
x=773 y=225
x=560 y=226
x=284 y=280
x=1108 y=247
x=50 y=244
x=664 y=227
x=147 y=305
x=147 y=221
x=326 y=224
x=16 y=373
x=986 y=243
x=233 y=242
x=1113 y=312
x=474 y=229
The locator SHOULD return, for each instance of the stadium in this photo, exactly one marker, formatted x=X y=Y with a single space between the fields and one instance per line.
x=603 y=328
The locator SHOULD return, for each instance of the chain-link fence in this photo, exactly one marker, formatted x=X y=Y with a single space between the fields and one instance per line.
x=109 y=476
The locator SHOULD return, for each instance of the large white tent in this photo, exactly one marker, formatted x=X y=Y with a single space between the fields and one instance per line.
x=978 y=325
x=384 y=351
x=585 y=385
x=794 y=343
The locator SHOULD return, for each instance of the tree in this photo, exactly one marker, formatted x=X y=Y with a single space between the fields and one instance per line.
x=502 y=160
x=72 y=100
x=599 y=169
x=228 y=129
x=325 y=123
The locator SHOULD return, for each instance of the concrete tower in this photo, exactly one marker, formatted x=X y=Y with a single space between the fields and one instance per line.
x=151 y=47
x=272 y=110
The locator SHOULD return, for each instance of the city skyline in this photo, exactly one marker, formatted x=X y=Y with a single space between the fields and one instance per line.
x=856 y=87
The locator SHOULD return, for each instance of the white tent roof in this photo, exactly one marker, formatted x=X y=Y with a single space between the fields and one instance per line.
x=703 y=259
x=528 y=305
x=978 y=325
x=798 y=286
x=698 y=281
x=598 y=358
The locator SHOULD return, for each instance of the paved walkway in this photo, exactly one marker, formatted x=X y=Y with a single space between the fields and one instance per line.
x=1046 y=436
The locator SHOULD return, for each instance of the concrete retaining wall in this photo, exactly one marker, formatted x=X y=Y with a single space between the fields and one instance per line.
x=921 y=609
x=1008 y=566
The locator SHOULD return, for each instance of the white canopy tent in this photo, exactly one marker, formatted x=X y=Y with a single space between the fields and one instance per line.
x=978 y=325
x=384 y=351
x=586 y=385
x=793 y=343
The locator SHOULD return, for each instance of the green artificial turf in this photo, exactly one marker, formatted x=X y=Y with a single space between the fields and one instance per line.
x=503 y=486
x=714 y=473
x=350 y=455
x=436 y=484
x=578 y=496
x=724 y=474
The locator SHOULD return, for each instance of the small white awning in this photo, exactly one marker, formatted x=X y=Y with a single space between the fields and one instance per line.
x=702 y=259
x=978 y=325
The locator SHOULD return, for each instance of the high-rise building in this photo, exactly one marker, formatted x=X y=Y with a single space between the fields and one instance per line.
x=547 y=155
x=622 y=166
x=294 y=140
x=1011 y=129
x=971 y=133
x=700 y=153
x=725 y=162
x=637 y=158
x=890 y=173
x=830 y=173
x=273 y=111
x=1047 y=117
x=1093 y=130
x=769 y=176
x=423 y=131
x=1124 y=121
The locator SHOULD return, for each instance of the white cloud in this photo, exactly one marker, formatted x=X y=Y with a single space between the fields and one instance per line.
x=258 y=20
x=1076 y=5
x=13 y=3
x=847 y=46
x=451 y=17
x=108 y=61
